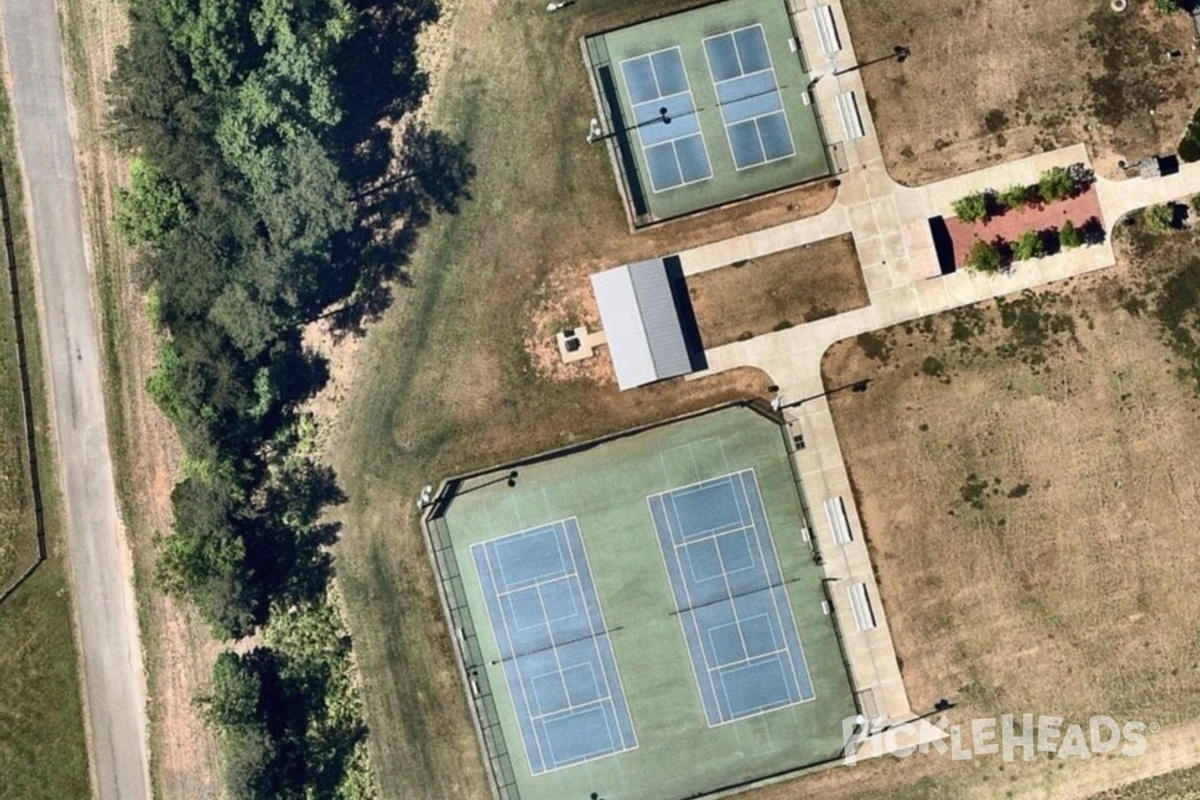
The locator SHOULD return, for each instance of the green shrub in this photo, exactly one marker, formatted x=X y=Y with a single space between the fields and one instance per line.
x=1069 y=237
x=1166 y=6
x=984 y=257
x=1029 y=245
x=972 y=208
x=1189 y=148
x=1055 y=184
x=1159 y=217
x=1013 y=197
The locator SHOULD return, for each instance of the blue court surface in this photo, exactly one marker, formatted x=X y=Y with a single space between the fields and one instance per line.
x=747 y=89
x=730 y=596
x=664 y=114
x=550 y=633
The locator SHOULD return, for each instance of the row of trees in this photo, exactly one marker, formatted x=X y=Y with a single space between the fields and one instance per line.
x=998 y=255
x=1055 y=184
x=265 y=194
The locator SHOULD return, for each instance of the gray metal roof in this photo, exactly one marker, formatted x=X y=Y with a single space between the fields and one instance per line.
x=641 y=323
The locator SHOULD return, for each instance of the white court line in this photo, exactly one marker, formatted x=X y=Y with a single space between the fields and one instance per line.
x=642 y=142
x=516 y=666
x=603 y=632
x=748 y=658
x=775 y=79
x=590 y=756
x=538 y=530
x=768 y=536
x=766 y=708
x=674 y=512
x=679 y=613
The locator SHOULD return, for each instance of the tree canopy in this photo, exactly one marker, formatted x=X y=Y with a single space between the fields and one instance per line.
x=984 y=257
x=971 y=208
x=265 y=194
x=1055 y=184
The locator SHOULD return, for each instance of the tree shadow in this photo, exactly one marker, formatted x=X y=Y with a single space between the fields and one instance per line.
x=1051 y=242
x=1093 y=231
x=943 y=244
x=395 y=194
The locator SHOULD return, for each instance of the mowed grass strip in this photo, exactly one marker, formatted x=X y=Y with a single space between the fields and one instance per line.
x=42 y=748
x=778 y=291
x=18 y=533
x=42 y=752
x=444 y=382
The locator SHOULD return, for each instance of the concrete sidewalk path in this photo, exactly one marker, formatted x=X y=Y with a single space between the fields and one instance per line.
x=114 y=689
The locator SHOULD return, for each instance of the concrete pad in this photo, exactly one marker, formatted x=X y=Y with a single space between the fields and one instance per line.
x=894 y=245
x=880 y=184
x=886 y=215
x=932 y=295
x=899 y=303
x=854 y=188
x=870 y=250
x=862 y=220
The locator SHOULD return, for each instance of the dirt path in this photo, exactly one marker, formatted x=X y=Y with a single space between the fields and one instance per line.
x=106 y=614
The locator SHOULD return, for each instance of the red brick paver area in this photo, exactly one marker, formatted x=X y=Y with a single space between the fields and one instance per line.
x=1010 y=225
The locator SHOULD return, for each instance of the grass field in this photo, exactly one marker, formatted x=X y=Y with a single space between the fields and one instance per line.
x=790 y=287
x=18 y=532
x=42 y=753
x=994 y=81
x=1181 y=785
x=1023 y=470
x=546 y=208
x=606 y=494
x=42 y=749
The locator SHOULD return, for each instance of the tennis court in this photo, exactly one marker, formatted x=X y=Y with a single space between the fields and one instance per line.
x=556 y=654
x=665 y=116
x=706 y=106
x=731 y=598
x=641 y=603
x=748 y=92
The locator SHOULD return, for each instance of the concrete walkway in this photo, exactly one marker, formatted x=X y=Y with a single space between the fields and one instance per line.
x=890 y=226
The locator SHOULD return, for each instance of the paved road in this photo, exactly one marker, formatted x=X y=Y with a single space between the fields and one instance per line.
x=114 y=681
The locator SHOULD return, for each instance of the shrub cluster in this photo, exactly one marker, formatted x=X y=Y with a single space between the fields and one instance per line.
x=265 y=194
x=998 y=255
x=1055 y=184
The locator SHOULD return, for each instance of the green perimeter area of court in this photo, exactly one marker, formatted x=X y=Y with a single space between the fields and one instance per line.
x=605 y=486
x=687 y=30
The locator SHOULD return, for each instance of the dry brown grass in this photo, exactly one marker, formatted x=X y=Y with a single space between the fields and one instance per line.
x=778 y=291
x=457 y=376
x=1026 y=477
x=992 y=81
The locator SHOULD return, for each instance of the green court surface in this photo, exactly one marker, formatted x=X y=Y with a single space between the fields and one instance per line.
x=706 y=106
x=642 y=617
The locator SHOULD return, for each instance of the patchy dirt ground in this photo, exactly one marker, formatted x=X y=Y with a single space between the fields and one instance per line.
x=1026 y=476
x=997 y=80
x=778 y=291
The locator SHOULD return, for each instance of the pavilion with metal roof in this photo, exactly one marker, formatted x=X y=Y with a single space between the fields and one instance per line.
x=641 y=317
